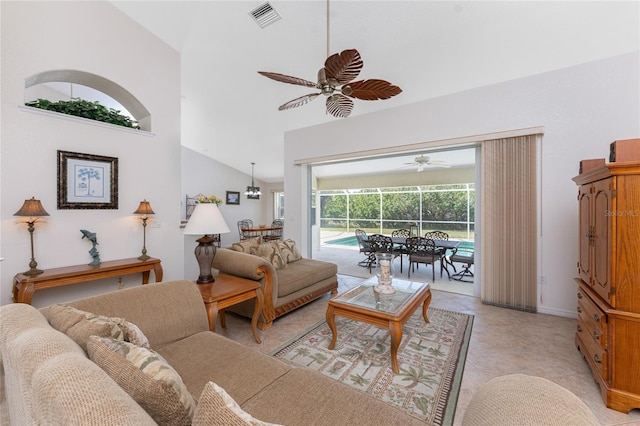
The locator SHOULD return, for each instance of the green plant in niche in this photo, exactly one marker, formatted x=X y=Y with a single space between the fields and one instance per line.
x=86 y=109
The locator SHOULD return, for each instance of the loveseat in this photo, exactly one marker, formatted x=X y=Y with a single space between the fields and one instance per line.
x=47 y=378
x=288 y=281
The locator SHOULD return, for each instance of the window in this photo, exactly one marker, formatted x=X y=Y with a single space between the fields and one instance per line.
x=278 y=205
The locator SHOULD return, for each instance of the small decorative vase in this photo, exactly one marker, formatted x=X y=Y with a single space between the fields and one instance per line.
x=384 y=273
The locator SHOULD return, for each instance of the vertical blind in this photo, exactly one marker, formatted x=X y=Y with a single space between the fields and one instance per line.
x=509 y=248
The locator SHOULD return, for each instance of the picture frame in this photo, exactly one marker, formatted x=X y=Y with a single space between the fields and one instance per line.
x=87 y=181
x=233 y=197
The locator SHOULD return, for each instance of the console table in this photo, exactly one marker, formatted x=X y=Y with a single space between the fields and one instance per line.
x=25 y=285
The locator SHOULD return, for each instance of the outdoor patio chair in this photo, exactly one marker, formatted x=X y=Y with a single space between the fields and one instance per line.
x=423 y=250
x=379 y=244
x=465 y=255
x=440 y=235
x=365 y=248
x=400 y=250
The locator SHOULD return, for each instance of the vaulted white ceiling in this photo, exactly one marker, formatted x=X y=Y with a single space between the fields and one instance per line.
x=428 y=48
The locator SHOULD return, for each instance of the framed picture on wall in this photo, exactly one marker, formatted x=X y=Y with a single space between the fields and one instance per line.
x=87 y=181
x=233 y=197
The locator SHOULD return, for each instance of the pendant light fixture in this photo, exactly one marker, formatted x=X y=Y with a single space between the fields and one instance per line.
x=253 y=191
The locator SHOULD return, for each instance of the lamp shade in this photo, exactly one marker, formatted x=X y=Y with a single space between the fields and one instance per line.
x=144 y=208
x=31 y=208
x=206 y=219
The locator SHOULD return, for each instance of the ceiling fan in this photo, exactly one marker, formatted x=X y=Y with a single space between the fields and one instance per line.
x=335 y=82
x=422 y=160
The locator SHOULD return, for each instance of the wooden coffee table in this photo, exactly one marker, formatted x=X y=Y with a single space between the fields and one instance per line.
x=392 y=311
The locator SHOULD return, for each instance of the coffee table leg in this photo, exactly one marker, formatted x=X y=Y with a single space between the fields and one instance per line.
x=256 y=314
x=425 y=306
x=395 y=330
x=331 y=320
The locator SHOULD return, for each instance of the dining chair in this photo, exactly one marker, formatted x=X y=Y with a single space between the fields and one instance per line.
x=365 y=248
x=379 y=244
x=423 y=250
x=243 y=225
x=276 y=233
x=399 y=250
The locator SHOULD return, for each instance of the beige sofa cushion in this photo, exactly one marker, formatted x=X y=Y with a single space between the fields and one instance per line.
x=217 y=408
x=147 y=377
x=241 y=372
x=302 y=274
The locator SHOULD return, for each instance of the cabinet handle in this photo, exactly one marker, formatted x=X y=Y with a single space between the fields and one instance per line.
x=579 y=309
x=597 y=359
x=579 y=295
x=595 y=335
x=579 y=328
x=596 y=317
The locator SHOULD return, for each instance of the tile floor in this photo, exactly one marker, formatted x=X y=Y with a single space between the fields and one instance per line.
x=503 y=341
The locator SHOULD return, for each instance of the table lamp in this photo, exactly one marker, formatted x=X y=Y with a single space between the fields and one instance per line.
x=144 y=209
x=33 y=210
x=206 y=220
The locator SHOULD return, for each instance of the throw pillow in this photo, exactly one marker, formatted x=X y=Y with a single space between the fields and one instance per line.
x=147 y=377
x=79 y=325
x=289 y=251
x=217 y=408
x=249 y=245
x=271 y=253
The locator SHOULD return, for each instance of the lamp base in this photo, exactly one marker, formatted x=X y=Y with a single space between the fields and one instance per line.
x=205 y=252
x=33 y=271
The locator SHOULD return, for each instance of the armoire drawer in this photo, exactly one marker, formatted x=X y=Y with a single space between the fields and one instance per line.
x=592 y=320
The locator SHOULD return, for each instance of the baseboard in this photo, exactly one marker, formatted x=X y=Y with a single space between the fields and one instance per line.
x=557 y=312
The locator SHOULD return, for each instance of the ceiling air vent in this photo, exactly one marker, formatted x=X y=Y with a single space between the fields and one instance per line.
x=265 y=15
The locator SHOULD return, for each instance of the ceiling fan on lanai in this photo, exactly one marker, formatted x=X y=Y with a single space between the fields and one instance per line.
x=335 y=81
x=422 y=161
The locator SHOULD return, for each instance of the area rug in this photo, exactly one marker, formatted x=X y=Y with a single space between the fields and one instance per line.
x=431 y=358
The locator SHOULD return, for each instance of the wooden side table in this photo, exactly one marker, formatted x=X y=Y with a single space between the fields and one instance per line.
x=228 y=290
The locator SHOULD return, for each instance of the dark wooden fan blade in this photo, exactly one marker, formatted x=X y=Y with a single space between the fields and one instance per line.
x=288 y=79
x=298 y=101
x=344 y=66
x=371 y=90
x=339 y=106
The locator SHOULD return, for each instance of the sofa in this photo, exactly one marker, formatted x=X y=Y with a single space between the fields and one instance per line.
x=202 y=378
x=288 y=280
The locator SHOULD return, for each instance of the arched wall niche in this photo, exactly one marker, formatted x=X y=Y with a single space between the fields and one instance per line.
x=117 y=92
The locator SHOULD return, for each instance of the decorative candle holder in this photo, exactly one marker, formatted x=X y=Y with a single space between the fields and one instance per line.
x=384 y=272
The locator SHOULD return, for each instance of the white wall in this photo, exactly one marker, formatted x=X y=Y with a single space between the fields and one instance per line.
x=97 y=38
x=582 y=109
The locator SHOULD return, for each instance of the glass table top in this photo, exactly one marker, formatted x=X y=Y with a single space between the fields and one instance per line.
x=364 y=295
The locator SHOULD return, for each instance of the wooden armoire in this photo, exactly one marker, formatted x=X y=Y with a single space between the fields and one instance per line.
x=608 y=330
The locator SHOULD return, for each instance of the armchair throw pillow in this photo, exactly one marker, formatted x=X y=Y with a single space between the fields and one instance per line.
x=250 y=245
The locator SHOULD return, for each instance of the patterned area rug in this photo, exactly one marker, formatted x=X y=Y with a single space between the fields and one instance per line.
x=431 y=359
